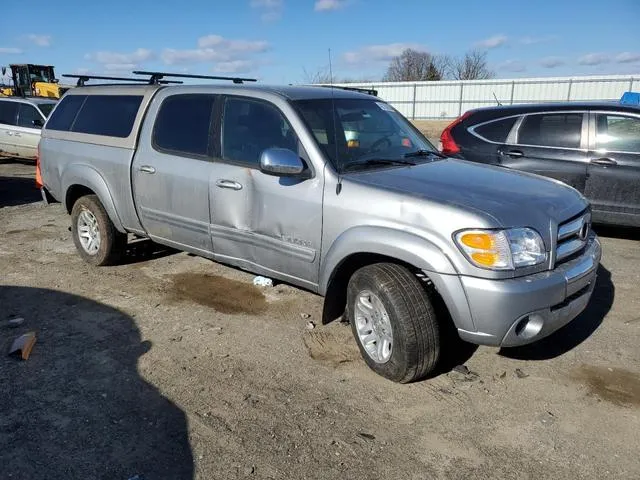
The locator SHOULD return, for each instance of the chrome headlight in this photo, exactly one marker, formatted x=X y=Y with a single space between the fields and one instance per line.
x=502 y=249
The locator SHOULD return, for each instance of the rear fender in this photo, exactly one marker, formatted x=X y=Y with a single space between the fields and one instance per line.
x=88 y=177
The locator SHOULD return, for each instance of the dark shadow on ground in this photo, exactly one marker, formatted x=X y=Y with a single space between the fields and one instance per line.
x=77 y=408
x=142 y=250
x=22 y=161
x=626 y=233
x=18 y=191
x=577 y=331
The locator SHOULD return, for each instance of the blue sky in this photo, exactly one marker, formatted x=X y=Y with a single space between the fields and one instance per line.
x=276 y=40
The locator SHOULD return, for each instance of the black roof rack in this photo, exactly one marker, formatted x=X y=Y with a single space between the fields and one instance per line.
x=157 y=76
x=84 y=78
x=368 y=91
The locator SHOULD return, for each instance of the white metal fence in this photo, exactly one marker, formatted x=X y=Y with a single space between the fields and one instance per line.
x=449 y=99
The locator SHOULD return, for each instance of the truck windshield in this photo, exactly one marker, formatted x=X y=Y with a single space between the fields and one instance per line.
x=354 y=131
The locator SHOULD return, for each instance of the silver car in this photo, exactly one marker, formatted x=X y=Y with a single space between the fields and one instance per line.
x=21 y=121
x=333 y=191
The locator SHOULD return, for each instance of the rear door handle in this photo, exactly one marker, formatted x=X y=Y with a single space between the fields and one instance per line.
x=147 y=169
x=233 y=185
x=17 y=134
x=9 y=132
x=604 y=161
x=512 y=153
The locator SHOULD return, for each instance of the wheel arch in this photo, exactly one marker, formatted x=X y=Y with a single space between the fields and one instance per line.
x=80 y=180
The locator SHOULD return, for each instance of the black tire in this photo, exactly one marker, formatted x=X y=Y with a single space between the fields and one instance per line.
x=415 y=346
x=113 y=243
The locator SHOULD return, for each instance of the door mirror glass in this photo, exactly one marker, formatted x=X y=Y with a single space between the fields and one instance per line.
x=38 y=123
x=281 y=162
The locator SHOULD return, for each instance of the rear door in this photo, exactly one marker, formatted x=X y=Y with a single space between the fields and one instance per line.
x=552 y=144
x=261 y=222
x=171 y=170
x=28 y=130
x=8 y=120
x=613 y=180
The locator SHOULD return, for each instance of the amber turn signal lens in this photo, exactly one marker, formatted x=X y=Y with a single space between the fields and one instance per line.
x=487 y=259
x=481 y=241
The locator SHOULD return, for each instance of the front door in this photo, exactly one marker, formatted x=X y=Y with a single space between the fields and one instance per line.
x=27 y=132
x=171 y=171
x=613 y=180
x=550 y=144
x=263 y=223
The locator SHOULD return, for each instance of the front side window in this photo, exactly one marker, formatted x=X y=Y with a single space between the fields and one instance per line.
x=361 y=131
x=8 y=113
x=108 y=115
x=29 y=117
x=561 y=130
x=183 y=124
x=249 y=127
x=617 y=133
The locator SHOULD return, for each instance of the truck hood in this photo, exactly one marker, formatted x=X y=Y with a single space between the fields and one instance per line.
x=507 y=198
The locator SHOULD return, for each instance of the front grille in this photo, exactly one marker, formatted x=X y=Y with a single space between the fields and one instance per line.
x=572 y=237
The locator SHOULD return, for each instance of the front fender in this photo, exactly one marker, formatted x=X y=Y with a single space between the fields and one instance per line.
x=87 y=176
x=398 y=244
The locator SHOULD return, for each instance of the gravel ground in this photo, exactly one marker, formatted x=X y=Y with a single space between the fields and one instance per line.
x=171 y=366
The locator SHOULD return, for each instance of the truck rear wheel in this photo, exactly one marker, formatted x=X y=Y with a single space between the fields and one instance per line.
x=96 y=238
x=393 y=322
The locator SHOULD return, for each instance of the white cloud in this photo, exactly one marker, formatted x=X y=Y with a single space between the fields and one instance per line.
x=39 y=40
x=221 y=43
x=271 y=9
x=327 y=5
x=235 y=66
x=552 y=62
x=378 y=53
x=120 y=67
x=492 y=42
x=593 y=59
x=512 y=66
x=10 y=50
x=535 y=40
x=115 y=58
x=627 y=57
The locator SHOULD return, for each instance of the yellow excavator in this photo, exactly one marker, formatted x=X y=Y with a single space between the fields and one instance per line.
x=31 y=80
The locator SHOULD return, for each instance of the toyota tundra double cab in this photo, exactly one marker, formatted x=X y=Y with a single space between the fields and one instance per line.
x=330 y=190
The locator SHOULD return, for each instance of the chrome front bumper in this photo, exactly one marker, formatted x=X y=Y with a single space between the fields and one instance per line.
x=523 y=310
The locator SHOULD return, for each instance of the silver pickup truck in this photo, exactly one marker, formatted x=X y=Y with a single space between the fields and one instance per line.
x=330 y=190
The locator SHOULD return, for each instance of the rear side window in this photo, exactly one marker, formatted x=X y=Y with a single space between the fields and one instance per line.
x=551 y=130
x=183 y=124
x=27 y=115
x=617 y=133
x=65 y=113
x=497 y=130
x=108 y=115
x=8 y=113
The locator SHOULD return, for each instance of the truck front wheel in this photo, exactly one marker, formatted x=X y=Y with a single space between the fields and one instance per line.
x=96 y=238
x=393 y=322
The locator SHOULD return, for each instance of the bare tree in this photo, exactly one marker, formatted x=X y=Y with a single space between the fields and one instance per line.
x=412 y=65
x=472 y=66
x=319 y=76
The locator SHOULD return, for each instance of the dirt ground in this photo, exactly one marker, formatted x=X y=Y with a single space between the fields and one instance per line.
x=174 y=367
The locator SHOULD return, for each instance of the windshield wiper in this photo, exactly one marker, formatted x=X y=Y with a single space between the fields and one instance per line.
x=376 y=162
x=424 y=153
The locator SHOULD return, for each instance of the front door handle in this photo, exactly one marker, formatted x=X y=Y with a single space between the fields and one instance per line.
x=513 y=153
x=232 y=184
x=9 y=132
x=147 y=169
x=606 y=161
x=17 y=134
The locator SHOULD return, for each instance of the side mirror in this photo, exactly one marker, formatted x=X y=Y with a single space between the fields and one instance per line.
x=38 y=123
x=281 y=162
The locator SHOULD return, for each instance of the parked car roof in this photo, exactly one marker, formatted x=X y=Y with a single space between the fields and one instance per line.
x=36 y=100
x=559 y=106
